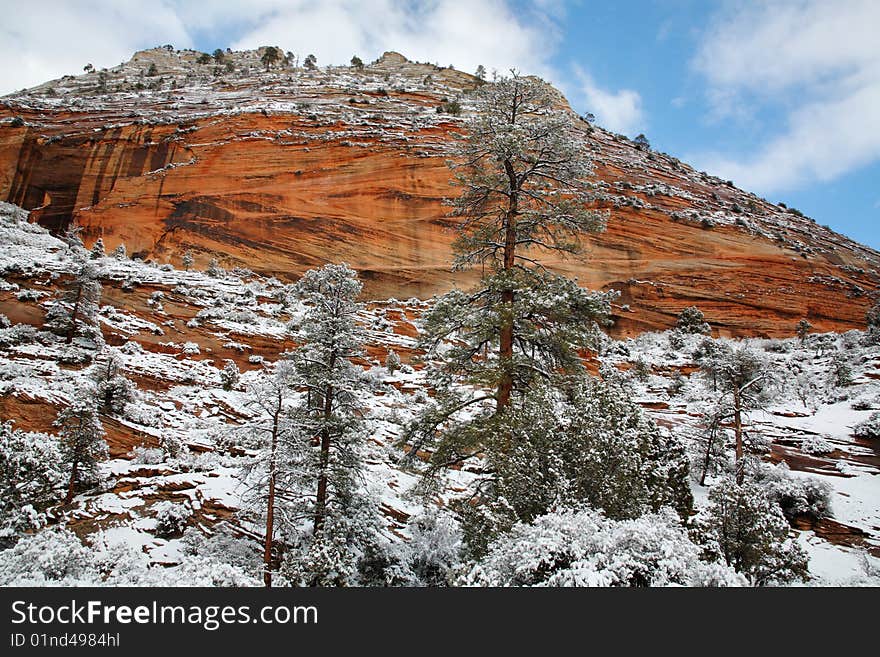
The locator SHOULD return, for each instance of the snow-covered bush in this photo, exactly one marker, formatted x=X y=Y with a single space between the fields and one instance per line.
x=817 y=445
x=796 y=496
x=743 y=528
x=434 y=551
x=869 y=428
x=17 y=335
x=53 y=557
x=230 y=375
x=692 y=320
x=4 y=321
x=147 y=455
x=581 y=547
x=191 y=349
x=30 y=478
x=171 y=518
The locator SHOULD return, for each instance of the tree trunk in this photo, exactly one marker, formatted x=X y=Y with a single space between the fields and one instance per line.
x=71 y=486
x=321 y=497
x=708 y=456
x=505 y=338
x=737 y=427
x=270 y=504
x=71 y=329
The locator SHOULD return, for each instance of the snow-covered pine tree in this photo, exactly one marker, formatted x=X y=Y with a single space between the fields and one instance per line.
x=329 y=338
x=272 y=432
x=331 y=426
x=744 y=528
x=230 y=375
x=82 y=440
x=77 y=309
x=112 y=389
x=740 y=376
x=30 y=476
x=120 y=253
x=188 y=260
x=214 y=269
x=802 y=330
x=692 y=320
x=523 y=171
x=98 y=250
x=392 y=361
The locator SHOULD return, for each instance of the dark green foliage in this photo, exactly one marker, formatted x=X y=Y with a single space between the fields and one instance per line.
x=642 y=142
x=692 y=320
x=743 y=527
x=271 y=56
x=589 y=445
x=802 y=330
x=311 y=62
x=357 y=63
x=204 y=58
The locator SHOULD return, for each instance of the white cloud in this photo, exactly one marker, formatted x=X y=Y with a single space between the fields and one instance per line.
x=464 y=34
x=816 y=62
x=620 y=111
x=61 y=37
x=104 y=32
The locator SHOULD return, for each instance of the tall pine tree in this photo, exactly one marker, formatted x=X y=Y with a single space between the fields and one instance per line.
x=523 y=171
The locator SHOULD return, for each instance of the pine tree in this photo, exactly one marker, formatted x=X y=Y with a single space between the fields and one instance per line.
x=113 y=391
x=214 y=269
x=30 y=476
x=872 y=318
x=82 y=442
x=271 y=55
x=584 y=443
x=329 y=338
x=78 y=306
x=120 y=253
x=744 y=528
x=802 y=330
x=98 y=250
x=481 y=72
x=311 y=62
x=392 y=361
x=523 y=173
x=229 y=375
x=692 y=320
x=741 y=376
x=357 y=63
x=271 y=429
x=188 y=260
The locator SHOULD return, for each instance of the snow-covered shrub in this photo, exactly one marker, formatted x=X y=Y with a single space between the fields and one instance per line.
x=147 y=455
x=692 y=320
x=434 y=551
x=864 y=404
x=230 y=375
x=29 y=295
x=17 y=335
x=54 y=557
x=132 y=348
x=817 y=445
x=581 y=547
x=171 y=518
x=869 y=428
x=743 y=528
x=191 y=349
x=796 y=496
x=30 y=478
x=392 y=361
x=255 y=359
x=4 y=321
x=113 y=391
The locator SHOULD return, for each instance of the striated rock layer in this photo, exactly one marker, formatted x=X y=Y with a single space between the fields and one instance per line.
x=282 y=170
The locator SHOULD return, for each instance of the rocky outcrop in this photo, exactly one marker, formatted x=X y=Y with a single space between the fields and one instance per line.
x=282 y=170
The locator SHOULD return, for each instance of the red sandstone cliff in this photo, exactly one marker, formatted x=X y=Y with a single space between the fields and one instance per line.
x=280 y=171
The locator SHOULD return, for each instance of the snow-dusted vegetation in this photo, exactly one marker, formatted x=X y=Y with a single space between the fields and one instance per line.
x=179 y=427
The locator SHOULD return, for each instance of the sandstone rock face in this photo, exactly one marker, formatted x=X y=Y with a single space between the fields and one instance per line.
x=282 y=170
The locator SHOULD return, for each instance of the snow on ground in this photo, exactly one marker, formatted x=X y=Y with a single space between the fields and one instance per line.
x=182 y=409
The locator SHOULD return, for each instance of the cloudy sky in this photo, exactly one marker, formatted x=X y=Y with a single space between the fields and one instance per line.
x=781 y=96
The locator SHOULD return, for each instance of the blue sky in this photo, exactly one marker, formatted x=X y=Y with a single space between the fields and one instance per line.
x=783 y=97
